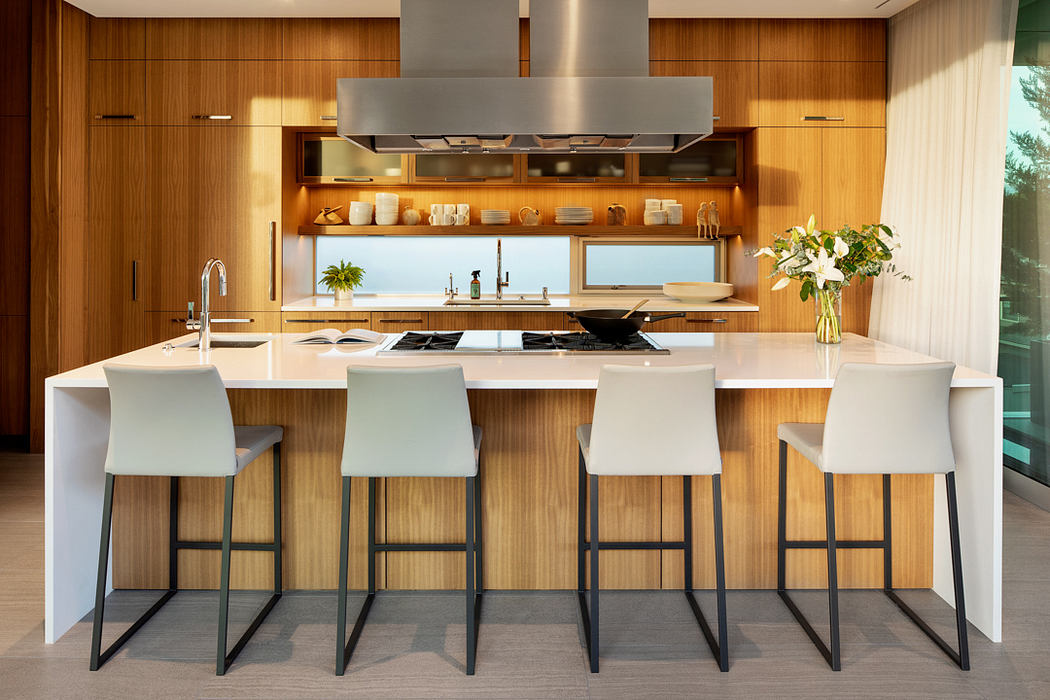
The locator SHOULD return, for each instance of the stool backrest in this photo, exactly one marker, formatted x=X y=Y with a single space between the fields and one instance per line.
x=889 y=419
x=655 y=420
x=172 y=421
x=407 y=421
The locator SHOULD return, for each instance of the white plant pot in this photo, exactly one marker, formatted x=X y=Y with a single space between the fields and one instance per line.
x=343 y=296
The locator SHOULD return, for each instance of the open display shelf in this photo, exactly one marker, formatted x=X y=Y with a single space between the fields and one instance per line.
x=482 y=230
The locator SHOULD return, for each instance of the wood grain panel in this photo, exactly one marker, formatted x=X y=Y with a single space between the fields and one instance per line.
x=822 y=39
x=708 y=322
x=498 y=320
x=735 y=87
x=397 y=321
x=854 y=92
x=14 y=374
x=306 y=322
x=219 y=191
x=309 y=87
x=14 y=57
x=116 y=37
x=375 y=38
x=199 y=38
x=116 y=88
x=117 y=225
x=14 y=214
x=703 y=39
x=247 y=91
x=530 y=481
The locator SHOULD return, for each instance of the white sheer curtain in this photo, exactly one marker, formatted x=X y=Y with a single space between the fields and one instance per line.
x=949 y=79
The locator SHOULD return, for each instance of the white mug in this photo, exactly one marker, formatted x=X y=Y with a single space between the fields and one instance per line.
x=652 y=204
x=463 y=209
x=449 y=215
x=436 y=214
x=655 y=218
x=462 y=219
x=674 y=214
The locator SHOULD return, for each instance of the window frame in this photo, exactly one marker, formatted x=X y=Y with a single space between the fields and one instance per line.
x=578 y=266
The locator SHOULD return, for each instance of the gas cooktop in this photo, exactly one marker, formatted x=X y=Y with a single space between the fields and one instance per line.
x=516 y=342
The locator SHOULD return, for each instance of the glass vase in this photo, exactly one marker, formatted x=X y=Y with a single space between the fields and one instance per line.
x=829 y=316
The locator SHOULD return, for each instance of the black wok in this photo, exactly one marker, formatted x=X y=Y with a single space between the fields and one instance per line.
x=608 y=325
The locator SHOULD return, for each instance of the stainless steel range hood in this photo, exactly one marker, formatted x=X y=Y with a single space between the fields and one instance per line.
x=589 y=88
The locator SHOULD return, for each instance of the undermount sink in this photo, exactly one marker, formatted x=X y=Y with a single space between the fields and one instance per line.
x=497 y=302
x=228 y=344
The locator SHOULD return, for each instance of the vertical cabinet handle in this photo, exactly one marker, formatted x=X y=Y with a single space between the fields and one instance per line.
x=134 y=280
x=273 y=255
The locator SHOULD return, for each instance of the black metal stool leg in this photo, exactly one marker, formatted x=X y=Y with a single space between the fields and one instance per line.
x=595 y=548
x=173 y=533
x=224 y=579
x=720 y=574
x=957 y=573
x=278 y=533
x=581 y=532
x=344 y=547
x=478 y=537
x=833 y=578
x=103 y=571
x=470 y=590
x=887 y=533
x=782 y=521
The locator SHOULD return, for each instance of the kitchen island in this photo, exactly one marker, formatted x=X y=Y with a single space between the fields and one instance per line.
x=528 y=406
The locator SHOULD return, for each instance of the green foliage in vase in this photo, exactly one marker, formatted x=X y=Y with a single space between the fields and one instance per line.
x=343 y=276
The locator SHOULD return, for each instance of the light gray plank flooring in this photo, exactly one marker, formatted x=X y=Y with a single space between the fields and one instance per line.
x=530 y=644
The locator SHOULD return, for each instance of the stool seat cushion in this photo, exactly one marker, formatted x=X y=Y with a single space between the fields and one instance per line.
x=253 y=440
x=807 y=438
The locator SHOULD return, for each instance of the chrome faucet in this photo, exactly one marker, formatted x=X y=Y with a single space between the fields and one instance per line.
x=203 y=326
x=500 y=283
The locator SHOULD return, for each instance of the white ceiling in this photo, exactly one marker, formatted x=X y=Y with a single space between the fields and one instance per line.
x=391 y=8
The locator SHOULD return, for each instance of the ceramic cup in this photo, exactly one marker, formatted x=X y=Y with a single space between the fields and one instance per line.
x=463 y=208
x=449 y=215
x=436 y=214
x=360 y=213
x=462 y=219
x=674 y=214
x=529 y=216
x=410 y=217
x=655 y=218
x=652 y=204
x=665 y=203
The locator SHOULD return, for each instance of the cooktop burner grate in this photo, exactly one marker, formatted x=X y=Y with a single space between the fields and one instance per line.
x=584 y=342
x=427 y=341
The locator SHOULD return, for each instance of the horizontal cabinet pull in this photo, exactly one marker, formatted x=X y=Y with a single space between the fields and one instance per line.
x=577 y=179
x=820 y=118
x=352 y=179
x=233 y=320
x=706 y=320
x=401 y=320
x=115 y=116
x=716 y=118
x=687 y=179
x=328 y=117
x=464 y=179
x=326 y=320
x=213 y=116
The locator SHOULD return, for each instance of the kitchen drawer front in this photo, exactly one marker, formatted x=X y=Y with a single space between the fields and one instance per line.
x=708 y=322
x=309 y=87
x=165 y=325
x=398 y=321
x=307 y=322
x=498 y=320
x=116 y=93
x=210 y=93
x=839 y=93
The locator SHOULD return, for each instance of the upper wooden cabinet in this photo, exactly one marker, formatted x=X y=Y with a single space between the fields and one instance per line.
x=735 y=87
x=229 y=92
x=362 y=39
x=14 y=57
x=807 y=93
x=116 y=38
x=196 y=38
x=330 y=159
x=116 y=92
x=703 y=39
x=822 y=40
x=309 y=87
x=214 y=193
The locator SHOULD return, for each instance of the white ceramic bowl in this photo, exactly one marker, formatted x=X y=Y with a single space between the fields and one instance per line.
x=698 y=291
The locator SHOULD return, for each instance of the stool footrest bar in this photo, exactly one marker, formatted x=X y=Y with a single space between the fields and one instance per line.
x=419 y=547
x=840 y=544
x=636 y=545
x=240 y=546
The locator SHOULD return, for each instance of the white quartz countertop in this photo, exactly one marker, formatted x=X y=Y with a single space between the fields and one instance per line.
x=742 y=361
x=435 y=302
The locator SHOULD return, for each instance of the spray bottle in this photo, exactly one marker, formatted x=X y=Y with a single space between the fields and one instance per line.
x=475 y=285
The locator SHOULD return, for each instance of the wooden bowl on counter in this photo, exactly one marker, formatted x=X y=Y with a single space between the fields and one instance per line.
x=698 y=292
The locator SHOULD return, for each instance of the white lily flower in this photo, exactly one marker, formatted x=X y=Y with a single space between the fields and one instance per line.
x=823 y=269
x=765 y=251
x=841 y=249
x=784 y=255
x=781 y=283
x=811 y=224
x=799 y=232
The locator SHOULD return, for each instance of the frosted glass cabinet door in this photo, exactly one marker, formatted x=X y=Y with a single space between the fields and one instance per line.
x=715 y=160
x=567 y=167
x=331 y=159
x=465 y=169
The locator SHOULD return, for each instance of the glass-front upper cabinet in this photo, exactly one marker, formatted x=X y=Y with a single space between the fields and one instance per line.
x=465 y=168
x=575 y=167
x=716 y=160
x=329 y=159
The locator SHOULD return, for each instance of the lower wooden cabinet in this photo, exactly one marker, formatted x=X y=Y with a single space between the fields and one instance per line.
x=398 y=321
x=499 y=320
x=708 y=322
x=165 y=325
x=307 y=321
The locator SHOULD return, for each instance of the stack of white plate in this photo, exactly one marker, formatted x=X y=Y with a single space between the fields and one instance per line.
x=386 y=208
x=573 y=215
x=494 y=217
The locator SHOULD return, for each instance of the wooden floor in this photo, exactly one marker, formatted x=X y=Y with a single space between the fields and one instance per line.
x=530 y=642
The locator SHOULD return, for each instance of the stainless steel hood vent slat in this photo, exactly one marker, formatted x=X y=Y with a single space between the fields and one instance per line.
x=589 y=98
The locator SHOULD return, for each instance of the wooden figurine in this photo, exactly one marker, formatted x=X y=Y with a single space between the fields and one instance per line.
x=617 y=215
x=713 y=220
x=328 y=217
x=701 y=221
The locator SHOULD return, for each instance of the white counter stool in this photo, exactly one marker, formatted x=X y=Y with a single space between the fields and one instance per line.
x=176 y=422
x=626 y=407
x=881 y=419
x=409 y=421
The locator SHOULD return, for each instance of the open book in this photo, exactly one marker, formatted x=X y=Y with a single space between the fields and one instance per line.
x=328 y=336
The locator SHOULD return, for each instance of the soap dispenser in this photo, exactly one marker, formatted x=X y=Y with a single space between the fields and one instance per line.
x=475 y=285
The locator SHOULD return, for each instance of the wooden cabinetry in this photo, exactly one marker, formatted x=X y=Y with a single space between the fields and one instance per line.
x=307 y=321
x=116 y=38
x=165 y=325
x=213 y=93
x=375 y=38
x=735 y=88
x=397 y=321
x=708 y=322
x=567 y=168
x=116 y=92
x=822 y=39
x=199 y=38
x=473 y=169
x=822 y=93
x=703 y=39
x=498 y=320
x=330 y=159
x=214 y=193
x=308 y=91
x=716 y=160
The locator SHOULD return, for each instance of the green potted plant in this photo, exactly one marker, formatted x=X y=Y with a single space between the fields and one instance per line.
x=342 y=279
